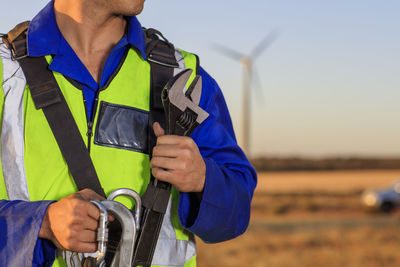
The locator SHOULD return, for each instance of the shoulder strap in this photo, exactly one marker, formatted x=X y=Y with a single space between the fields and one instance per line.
x=47 y=96
x=161 y=56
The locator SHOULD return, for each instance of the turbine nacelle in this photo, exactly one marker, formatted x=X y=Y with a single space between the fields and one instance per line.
x=246 y=62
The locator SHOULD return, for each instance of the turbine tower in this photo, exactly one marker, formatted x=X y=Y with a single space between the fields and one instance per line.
x=249 y=74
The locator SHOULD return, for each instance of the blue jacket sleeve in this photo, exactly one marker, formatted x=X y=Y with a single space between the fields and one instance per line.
x=224 y=210
x=20 y=223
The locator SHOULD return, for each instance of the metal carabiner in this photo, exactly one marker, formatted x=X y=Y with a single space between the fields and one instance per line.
x=75 y=259
x=102 y=234
x=135 y=196
x=129 y=221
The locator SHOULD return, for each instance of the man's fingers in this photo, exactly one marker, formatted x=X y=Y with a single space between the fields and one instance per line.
x=84 y=247
x=90 y=224
x=166 y=163
x=162 y=175
x=88 y=194
x=87 y=236
x=92 y=211
x=175 y=140
x=158 y=130
x=166 y=151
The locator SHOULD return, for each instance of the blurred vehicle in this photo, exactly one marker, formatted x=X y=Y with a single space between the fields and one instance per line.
x=385 y=200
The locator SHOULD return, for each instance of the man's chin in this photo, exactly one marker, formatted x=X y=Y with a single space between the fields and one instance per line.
x=132 y=11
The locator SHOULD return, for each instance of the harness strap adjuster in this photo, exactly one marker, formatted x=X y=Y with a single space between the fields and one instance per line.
x=45 y=94
x=165 y=64
x=15 y=40
x=159 y=50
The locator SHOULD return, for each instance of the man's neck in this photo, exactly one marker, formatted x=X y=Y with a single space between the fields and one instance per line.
x=90 y=31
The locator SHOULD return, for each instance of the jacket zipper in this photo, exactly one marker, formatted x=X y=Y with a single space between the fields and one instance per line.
x=90 y=123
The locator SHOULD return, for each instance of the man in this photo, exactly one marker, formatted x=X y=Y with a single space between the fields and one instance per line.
x=96 y=51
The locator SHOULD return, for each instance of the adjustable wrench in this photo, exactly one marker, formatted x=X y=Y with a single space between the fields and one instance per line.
x=182 y=110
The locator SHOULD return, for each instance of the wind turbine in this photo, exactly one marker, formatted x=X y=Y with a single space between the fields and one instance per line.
x=249 y=73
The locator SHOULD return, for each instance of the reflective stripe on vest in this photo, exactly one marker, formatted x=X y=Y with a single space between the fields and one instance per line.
x=35 y=170
x=12 y=128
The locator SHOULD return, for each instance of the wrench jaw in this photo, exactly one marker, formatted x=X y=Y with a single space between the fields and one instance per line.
x=194 y=90
x=181 y=108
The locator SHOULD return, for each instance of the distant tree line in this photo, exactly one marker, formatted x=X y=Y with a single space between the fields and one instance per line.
x=308 y=164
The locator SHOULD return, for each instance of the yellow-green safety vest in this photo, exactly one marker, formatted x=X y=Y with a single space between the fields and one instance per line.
x=33 y=168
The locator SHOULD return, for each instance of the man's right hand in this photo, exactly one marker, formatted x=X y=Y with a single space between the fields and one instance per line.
x=72 y=222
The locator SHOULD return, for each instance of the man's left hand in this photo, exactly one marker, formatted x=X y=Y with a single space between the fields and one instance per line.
x=177 y=160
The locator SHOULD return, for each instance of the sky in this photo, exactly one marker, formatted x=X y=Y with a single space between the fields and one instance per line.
x=329 y=83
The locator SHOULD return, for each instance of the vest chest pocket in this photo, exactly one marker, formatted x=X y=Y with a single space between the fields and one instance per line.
x=122 y=127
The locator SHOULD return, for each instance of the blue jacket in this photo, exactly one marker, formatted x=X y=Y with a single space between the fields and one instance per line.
x=224 y=210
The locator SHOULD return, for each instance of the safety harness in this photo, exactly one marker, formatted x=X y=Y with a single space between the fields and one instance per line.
x=47 y=96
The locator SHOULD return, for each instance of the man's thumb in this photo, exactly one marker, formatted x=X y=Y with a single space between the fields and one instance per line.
x=158 y=130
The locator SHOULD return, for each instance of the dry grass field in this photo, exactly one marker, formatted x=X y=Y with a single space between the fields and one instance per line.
x=334 y=181
x=313 y=219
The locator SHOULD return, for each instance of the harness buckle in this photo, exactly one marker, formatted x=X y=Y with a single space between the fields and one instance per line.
x=15 y=40
x=15 y=57
x=14 y=45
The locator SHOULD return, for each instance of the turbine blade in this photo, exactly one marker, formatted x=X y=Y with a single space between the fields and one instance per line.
x=266 y=42
x=229 y=52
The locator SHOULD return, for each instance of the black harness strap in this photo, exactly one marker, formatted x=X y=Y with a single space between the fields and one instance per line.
x=161 y=56
x=47 y=96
